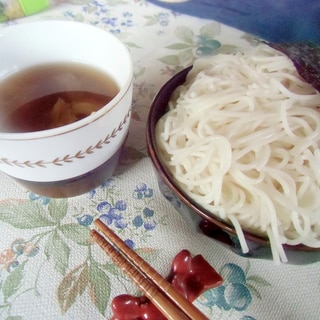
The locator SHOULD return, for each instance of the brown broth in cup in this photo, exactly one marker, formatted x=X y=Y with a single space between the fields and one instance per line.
x=49 y=96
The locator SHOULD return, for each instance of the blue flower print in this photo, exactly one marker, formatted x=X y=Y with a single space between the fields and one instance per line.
x=112 y=214
x=142 y=191
x=97 y=4
x=96 y=7
x=17 y=246
x=85 y=220
x=128 y=21
x=20 y=246
x=127 y=14
x=107 y=184
x=145 y=213
x=115 y=31
x=237 y=296
x=129 y=243
x=108 y=218
x=19 y=252
x=116 y=212
x=233 y=273
x=120 y=224
x=215 y=297
x=148 y=212
x=137 y=221
x=148 y=193
x=163 y=19
x=138 y=192
x=207 y=46
x=145 y=220
x=150 y=225
x=234 y=293
x=104 y=207
x=121 y=205
x=92 y=193
x=42 y=199
x=110 y=21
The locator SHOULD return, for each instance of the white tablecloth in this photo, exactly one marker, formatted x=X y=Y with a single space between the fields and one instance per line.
x=48 y=267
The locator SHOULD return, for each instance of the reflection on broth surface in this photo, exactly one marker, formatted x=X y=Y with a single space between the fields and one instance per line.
x=50 y=96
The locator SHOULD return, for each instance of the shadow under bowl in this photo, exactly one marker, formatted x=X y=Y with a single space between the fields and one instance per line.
x=197 y=217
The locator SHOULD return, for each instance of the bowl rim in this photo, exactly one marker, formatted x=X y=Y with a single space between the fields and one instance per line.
x=161 y=98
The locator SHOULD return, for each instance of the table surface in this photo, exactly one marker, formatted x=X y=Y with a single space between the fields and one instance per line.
x=49 y=269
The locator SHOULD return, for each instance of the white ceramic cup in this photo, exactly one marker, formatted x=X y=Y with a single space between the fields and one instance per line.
x=74 y=158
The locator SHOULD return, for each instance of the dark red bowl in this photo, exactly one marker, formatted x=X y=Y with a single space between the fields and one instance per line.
x=196 y=216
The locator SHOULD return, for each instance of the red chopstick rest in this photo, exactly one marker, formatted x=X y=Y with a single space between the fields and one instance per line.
x=192 y=276
x=189 y=275
x=127 y=307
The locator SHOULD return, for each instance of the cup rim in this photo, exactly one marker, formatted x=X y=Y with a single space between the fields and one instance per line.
x=90 y=118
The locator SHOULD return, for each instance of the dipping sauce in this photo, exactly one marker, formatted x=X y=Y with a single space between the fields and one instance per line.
x=53 y=95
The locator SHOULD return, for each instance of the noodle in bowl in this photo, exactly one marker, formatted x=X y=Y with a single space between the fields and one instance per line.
x=241 y=138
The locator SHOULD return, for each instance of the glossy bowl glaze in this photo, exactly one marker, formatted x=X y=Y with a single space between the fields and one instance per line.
x=196 y=216
x=74 y=158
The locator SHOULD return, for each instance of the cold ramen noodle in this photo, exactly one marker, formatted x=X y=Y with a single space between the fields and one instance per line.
x=52 y=95
x=242 y=137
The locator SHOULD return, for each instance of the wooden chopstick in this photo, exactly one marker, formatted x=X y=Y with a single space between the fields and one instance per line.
x=149 y=272
x=165 y=306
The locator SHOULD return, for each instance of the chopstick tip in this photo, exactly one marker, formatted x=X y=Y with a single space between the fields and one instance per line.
x=93 y=232
x=97 y=222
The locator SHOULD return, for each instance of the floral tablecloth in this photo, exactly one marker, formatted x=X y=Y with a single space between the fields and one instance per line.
x=49 y=268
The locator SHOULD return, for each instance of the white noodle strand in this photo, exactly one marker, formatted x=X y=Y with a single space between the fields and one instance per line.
x=242 y=139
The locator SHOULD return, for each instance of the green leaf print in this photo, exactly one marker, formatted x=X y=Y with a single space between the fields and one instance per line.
x=3 y=16
x=132 y=45
x=211 y=30
x=137 y=74
x=12 y=283
x=255 y=281
x=171 y=60
x=24 y=214
x=58 y=209
x=113 y=269
x=72 y=286
x=116 y=2
x=179 y=46
x=77 y=233
x=151 y=20
x=259 y=280
x=1 y=8
x=57 y=252
x=99 y=287
x=254 y=291
x=185 y=34
x=185 y=56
